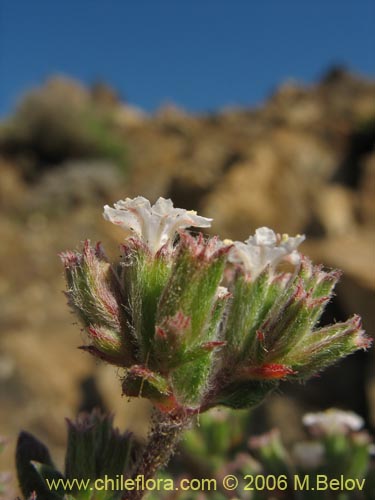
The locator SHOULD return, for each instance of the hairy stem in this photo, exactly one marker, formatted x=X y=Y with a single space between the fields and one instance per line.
x=166 y=431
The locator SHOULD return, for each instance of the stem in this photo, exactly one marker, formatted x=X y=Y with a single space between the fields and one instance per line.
x=166 y=432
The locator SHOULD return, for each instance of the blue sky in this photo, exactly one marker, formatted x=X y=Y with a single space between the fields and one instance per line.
x=200 y=54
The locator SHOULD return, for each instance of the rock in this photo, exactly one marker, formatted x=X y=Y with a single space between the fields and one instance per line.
x=12 y=187
x=76 y=183
x=335 y=209
x=367 y=192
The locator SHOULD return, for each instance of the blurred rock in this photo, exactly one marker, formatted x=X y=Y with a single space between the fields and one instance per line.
x=76 y=183
x=335 y=209
x=58 y=122
x=129 y=116
x=104 y=95
x=12 y=187
x=270 y=187
x=367 y=191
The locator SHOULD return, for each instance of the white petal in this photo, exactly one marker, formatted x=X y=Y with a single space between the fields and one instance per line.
x=163 y=206
x=155 y=225
x=265 y=236
x=265 y=248
x=333 y=421
x=122 y=218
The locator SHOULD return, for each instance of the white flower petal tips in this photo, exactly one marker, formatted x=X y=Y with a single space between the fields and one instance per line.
x=155 y=225
x=265 y=248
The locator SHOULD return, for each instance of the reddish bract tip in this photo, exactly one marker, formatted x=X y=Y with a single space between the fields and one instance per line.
x=99 y=251
x=300 y=292
x=334 y=275
x=357 y=321
x=163 y=252
x=362 y=341
x=69 y=259
x=260 y=336
x=271 y=371
x=132 y=245
x=97 y=333
x=311 y=303
x=203 y=249
x=86 y=247
x=160 y=333
x=210 y=346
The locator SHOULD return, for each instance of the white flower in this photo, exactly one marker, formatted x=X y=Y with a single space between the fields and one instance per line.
x=265 y=248
x=333 y=421
x=155 y=225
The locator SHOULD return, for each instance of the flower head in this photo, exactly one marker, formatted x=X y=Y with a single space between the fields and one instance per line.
x=265 y=248
x=333 y=421
x=197 y=322
x=155 y=225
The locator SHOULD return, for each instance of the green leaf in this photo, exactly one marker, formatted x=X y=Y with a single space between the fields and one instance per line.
x=51 y=477
x=28 y=450
x=95 y=448
x=244 y=394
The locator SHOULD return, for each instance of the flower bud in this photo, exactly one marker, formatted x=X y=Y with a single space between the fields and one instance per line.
x=94 y=294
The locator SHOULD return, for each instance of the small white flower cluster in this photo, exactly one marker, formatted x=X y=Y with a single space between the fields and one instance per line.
x=266 y=248
x=333 y=421
x=157 y=225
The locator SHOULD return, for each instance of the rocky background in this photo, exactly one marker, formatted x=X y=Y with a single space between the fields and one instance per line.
x=303 y=162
